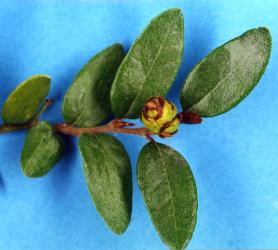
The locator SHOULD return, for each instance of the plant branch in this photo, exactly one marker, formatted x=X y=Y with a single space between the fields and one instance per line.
x=115 y=126
x=11 y=128
x=6 y=128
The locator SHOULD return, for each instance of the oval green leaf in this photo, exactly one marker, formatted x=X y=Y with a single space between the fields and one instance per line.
x=108 y=175
x=23 y=103
x=169 y=192
x=150 y=66
x=42 y=150
x=228 y=74
x=87 y=102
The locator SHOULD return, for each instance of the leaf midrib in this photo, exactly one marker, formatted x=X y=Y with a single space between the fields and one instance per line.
x=149 y=72
x=218 y=84
x=83 y=101
x=36 y=150
x=168 y=182
x=104 y=162
x=112 y=191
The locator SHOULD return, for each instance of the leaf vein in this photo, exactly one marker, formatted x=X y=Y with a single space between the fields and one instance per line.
x=218 y=84
x=171 y=192
x=150 y=70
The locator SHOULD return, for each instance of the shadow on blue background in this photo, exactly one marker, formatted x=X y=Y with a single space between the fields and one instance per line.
x=233 y=156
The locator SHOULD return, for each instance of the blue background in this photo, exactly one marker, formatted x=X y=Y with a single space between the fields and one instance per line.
x=234 y=156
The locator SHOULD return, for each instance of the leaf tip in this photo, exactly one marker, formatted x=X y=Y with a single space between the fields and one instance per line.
x=117 y=45
x=47 y=78
x=267 y=33
x=119 y=230
x=43 y=76
x=264 y=30
x=175 y=9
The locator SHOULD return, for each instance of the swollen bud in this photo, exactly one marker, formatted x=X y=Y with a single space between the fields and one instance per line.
x=160 y=116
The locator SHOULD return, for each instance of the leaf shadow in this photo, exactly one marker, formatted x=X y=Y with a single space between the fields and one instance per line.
x=2 y=183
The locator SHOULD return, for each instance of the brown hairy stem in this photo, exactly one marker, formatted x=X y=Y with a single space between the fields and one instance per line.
x=6 y=128
x=11 y=128
x=115 y=126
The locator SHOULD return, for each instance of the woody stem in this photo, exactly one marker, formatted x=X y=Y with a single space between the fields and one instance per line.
x=11 y=128
x=6 y=128
x=115 y=126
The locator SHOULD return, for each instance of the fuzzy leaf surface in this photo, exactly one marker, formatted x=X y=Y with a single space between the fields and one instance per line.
x=108 y=175
x=169 y=192
x=150 y=66
x=228 y=74
x=23 y=103
x=87 y=102
x=42 y=150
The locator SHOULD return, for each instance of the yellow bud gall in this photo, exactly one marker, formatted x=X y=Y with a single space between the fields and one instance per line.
x=173 y=126
x=160 y=116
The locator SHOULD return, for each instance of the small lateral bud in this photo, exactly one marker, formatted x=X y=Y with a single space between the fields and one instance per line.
x=189 y=118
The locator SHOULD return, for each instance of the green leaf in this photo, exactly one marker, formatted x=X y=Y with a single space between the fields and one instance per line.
x=42 y=150
x=23 y=103
x=108 y=175
x=169 y=191
x=150 y=66
x=87 y=103
x=228 y=74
